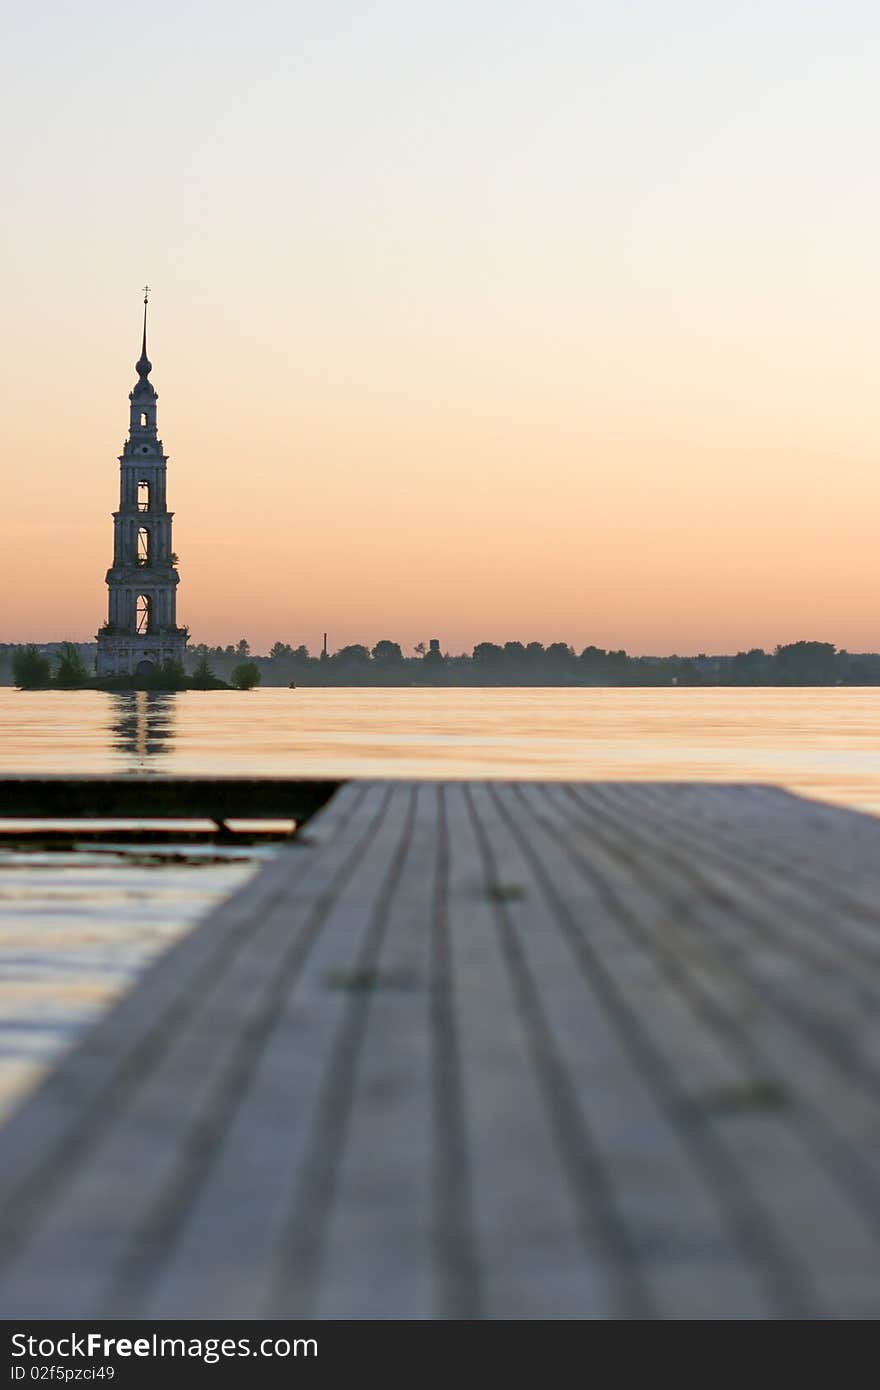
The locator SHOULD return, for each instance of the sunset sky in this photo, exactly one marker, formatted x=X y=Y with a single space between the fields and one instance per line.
x=478 y=320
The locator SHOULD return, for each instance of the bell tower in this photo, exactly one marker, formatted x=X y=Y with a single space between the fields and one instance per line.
x=141 y=632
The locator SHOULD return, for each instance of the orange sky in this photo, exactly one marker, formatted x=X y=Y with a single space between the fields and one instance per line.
x=524 y=326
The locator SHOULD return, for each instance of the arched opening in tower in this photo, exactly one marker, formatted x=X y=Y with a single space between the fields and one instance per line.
x=144 y=613
x=143 y=499
x=143 y=546
x=143 y=419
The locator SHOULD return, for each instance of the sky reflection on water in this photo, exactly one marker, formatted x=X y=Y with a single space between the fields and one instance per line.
x=822 y=742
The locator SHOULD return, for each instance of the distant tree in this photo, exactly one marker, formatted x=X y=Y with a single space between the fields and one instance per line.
x=70 y=669
x=243 y=647
x=488 y=653
x=30 y=669
x=689 y=673
x=514 y=651
x=171 y=674
x=387 y=652
x=280 y=649
x=203 y=677
x=751 y=667
x=559 y=652
x=535 y=651
x=807 y=663
x=420 y=648
x=756 y=656
x=863 y=669
x=353 y=655
x=246 y=675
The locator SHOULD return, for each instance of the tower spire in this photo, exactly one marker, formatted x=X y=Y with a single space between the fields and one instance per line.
x=144 y=366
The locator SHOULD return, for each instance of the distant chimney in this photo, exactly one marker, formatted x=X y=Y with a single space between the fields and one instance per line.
x=324 y=649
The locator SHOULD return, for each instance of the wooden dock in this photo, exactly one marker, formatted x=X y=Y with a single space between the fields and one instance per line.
x=484 y=1050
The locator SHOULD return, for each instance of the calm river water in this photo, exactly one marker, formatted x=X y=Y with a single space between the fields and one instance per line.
x=75 y=928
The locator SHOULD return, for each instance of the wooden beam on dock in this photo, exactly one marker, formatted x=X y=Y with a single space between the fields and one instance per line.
x=484 y=1050
x=167 y=796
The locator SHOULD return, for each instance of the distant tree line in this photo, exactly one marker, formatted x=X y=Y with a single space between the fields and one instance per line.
x=533 y=663
x=488 y=664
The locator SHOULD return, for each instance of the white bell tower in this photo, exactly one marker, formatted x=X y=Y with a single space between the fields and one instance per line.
x=141 y=632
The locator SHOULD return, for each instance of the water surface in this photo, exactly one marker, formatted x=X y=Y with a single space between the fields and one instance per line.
x=76 y=928
x=822 y=742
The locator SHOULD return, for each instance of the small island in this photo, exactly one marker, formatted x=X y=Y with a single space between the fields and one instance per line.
x=32 y=670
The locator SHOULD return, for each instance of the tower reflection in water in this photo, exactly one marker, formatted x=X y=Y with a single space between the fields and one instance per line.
x=142 y=728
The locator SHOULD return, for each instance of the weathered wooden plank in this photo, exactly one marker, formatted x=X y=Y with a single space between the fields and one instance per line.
x=530 y=1261
x=813 y=1020
x=832 y=847
x=781 y=845
x=267 y=1183
x=806 y=1230
x=378 y=1251
x=662 y=1226
x=456 y=1266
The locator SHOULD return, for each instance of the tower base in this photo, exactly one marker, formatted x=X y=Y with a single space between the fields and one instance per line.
x=138 y=654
